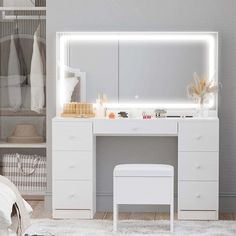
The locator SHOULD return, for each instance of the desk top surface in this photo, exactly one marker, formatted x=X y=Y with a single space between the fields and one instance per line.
x=177 y=119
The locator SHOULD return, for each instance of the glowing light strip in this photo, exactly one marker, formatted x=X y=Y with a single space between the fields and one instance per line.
x=62 y=72
x=138 y=36
x=156 y=105
x=209 y=38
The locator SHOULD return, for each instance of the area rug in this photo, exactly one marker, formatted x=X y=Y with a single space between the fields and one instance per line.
x=49 y=227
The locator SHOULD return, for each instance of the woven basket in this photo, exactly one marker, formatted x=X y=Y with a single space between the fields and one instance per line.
x=27 y=172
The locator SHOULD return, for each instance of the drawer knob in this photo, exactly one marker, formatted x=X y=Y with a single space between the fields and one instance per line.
x=72 y=137
x=198 y=137
x=72 y=196
x=198 y=167
x=198 y=195
x=71 y=167
x=135 y=129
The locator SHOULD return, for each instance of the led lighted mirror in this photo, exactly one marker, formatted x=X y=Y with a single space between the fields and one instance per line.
x=138 y=69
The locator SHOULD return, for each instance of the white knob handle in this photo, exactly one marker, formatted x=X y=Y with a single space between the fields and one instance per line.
x=71 y=167
x=198 y=167
x=72 y=196
x=198 y=137
x=135 y=129
x=198 y=195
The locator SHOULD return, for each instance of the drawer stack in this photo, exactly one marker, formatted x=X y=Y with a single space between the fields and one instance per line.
x=198 y=170
x=73 y=172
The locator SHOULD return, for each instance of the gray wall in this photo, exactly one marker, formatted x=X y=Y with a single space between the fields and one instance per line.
x=156 y=15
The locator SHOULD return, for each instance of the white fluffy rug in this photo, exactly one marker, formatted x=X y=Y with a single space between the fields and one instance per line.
x=48 y=227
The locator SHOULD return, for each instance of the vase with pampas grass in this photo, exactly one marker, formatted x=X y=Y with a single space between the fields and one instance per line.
x=200 y=90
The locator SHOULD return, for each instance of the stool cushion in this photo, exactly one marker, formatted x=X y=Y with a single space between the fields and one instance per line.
x=143 y=170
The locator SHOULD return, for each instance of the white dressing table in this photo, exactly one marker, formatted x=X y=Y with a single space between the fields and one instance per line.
x=74 y=162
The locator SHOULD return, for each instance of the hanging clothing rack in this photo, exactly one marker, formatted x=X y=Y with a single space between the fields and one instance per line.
x=23 y=8
x=34 y=13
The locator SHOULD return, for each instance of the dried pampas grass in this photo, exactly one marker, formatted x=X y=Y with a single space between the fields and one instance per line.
x=201 y=87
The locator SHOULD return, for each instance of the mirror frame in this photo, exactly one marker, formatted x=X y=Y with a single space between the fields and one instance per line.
x=211 y=38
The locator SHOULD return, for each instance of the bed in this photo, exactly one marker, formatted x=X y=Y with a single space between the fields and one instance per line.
x=8 y=201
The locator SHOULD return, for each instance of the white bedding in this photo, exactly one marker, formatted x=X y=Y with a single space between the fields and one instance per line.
x=7 y=200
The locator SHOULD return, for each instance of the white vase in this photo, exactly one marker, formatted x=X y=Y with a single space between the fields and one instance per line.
x=202 y=110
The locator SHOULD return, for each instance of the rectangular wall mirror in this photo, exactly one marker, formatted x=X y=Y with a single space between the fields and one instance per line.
x=140 y=67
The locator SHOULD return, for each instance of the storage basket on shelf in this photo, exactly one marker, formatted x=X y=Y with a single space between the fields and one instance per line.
x=27 y=172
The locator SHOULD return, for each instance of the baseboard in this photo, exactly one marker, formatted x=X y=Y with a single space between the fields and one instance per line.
x=104 y=203
x=228 y=202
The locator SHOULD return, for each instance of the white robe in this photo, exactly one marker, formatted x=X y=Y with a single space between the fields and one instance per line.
x=37 y=78
x=14 y=78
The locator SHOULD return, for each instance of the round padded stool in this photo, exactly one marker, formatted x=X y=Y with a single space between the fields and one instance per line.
x=151 y=184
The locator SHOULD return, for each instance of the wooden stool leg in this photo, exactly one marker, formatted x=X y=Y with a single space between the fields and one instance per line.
x=115 y=217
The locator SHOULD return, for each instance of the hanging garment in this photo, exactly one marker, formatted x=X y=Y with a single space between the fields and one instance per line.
x=23 y=67
x=37 y=77
x=42 y=47
x=14 y=78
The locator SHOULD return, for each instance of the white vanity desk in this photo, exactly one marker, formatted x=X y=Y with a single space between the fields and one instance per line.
x=74 y=162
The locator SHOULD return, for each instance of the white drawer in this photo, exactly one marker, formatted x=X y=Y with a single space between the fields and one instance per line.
x=72 y=165
x=72 y=195
x=72 y=136
x=198 y=166
x=198 y=195
x=135 y=127
x=199 y=136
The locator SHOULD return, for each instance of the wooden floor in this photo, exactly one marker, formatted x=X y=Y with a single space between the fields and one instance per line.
x=39 y=212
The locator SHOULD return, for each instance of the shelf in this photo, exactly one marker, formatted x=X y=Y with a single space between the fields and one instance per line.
x=4 y=144
x=32 y=193
x=23 y=112
x=11 y=18
x=17 y=11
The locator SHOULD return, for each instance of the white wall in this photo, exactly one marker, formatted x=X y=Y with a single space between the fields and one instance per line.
x=157 y=15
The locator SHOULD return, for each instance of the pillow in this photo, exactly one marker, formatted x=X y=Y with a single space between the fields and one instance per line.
x=69 y=86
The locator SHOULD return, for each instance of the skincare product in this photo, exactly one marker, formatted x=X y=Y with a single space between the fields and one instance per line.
x=100 y=105
x=123 y=114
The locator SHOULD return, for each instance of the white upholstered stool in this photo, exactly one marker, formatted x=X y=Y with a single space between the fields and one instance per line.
x=143 y=184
